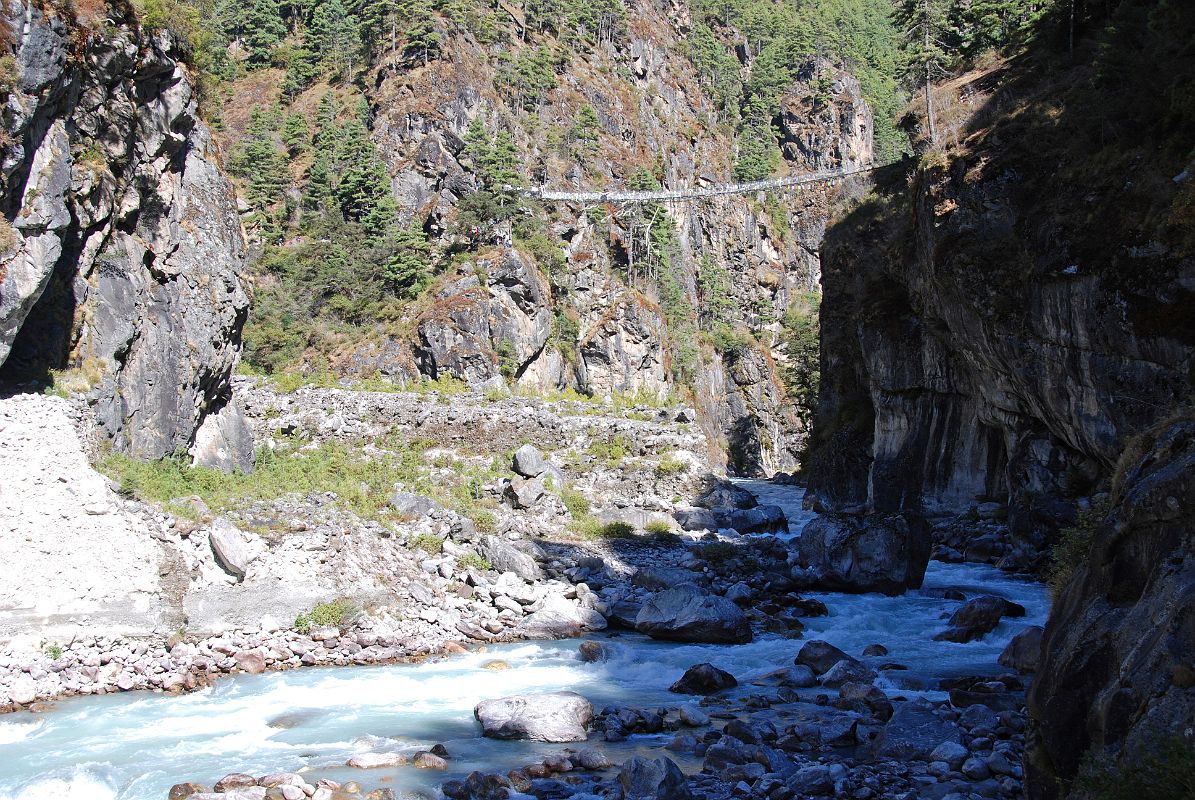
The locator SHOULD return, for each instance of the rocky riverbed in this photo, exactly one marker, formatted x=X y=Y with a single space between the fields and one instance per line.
x=893 y=705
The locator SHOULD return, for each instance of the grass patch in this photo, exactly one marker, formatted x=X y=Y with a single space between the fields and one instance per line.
x=483 y=519
x=658 y=527
x=54 y=652
x=325 y=615
x=589 y=527
x=362 y=485
x=611 y=453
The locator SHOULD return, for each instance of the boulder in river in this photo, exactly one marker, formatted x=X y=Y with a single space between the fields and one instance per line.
x=686 y=613
x=725 y=495
x=877 y=553
x=549 y=717
x=654 y=779
x=704 y=679
x=977 y=618
x=820 y=656
x=1023 y=651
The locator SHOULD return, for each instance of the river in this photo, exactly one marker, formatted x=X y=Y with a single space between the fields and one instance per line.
x=135 y=745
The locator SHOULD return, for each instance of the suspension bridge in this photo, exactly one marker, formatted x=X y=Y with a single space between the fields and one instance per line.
x=695 y=193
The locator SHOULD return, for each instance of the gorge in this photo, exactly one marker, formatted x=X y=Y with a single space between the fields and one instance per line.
x=294 y=375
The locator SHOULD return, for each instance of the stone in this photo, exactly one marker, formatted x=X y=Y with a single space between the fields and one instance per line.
x=529 y=462
x=506 y=558
x=976 y=618
x=1024 y=650
x=411 y=506
x=181 y=791
x=559 y=618
x=592 y=652
x=429 y=761
x=847 y=671
x=811 y=781
x=654 y=779
x=726 y=495
x=234 y=780
x=693 y=716
x=704 y=679
x=233 y=549
x=885 y=553
x=875 y=650
x=525 y=492
x=251 y=661
x=375 y=760
x=549 y=717
x=686 y=613
x=820 y=656
x=914 y=732
x=591 y=759
x=953 y=754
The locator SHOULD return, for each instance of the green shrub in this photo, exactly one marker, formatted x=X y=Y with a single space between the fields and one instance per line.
x=658 y=528
x=428 y=543
x=610 y=453
x=671 y=465
x=576 y=503
x=1074 y=545
x=473 y=561
x=54 y=652
x=361 y=484
x=617 y=530
x=324 y=615
x=485 y=520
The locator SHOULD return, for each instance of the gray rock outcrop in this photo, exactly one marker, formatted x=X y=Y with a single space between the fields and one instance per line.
x=122 y=249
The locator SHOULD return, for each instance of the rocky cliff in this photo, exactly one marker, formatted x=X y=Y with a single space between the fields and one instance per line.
x=1007 y=335
x=121 y=242
x=587 y=298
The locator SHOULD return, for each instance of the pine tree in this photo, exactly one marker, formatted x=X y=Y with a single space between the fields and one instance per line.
x=295 y=133
x=586 y=128
x=363 y=188
x=926 y=24
x=423 y=40
x=264 y=31
x=335 y=35
x=261 y=162
x=503 y=167
x=409 y=268
x=477 y=145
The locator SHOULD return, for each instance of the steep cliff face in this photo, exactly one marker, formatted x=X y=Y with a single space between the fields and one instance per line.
x=976 y=350
x=1115 y=677
x=1007 y=328
x=122 y=243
